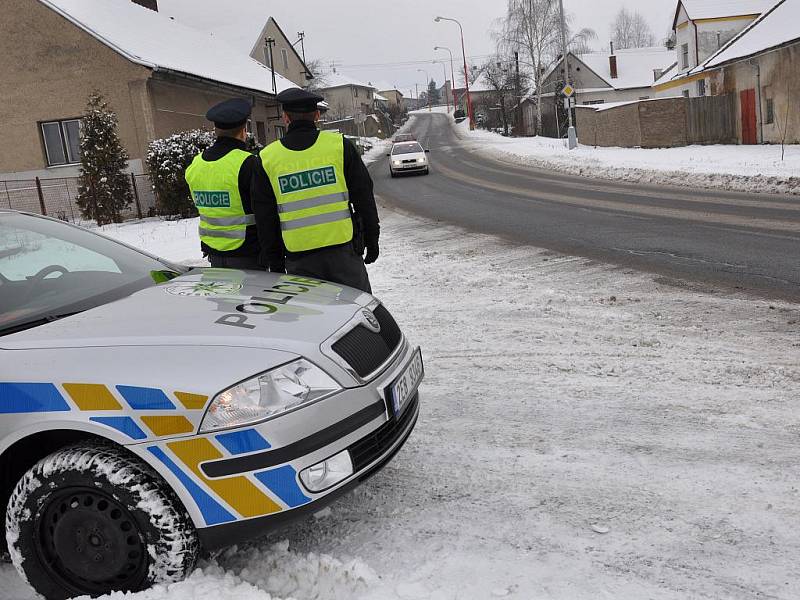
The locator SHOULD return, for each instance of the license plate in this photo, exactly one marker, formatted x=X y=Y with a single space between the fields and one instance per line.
x=405 y=386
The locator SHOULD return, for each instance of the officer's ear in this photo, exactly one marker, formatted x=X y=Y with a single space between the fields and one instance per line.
x=287 y=121
x=317 y=117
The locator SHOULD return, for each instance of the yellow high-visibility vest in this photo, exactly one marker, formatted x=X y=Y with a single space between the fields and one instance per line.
x=214 y=186
x=311 y=192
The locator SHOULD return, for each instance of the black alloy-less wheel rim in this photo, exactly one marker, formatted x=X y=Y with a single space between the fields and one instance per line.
x=90 y=543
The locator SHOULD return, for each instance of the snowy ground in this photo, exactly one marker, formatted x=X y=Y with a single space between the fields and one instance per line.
x=586 y=433
x=744 y=168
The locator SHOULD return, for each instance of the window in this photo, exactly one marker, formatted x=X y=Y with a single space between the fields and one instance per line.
x=355 y=92
x=285 y=57
x=701 y=87
x=49 y=269
x=685 y=93
x=770 y=116
x=685 y=54
x=261 y=130
x=644 y=97
x=280 y=131
x=62 y=142
x=595 y=102
x=267 y=61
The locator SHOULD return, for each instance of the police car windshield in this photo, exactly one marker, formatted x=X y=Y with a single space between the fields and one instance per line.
x=50 y=269
x=407 y=148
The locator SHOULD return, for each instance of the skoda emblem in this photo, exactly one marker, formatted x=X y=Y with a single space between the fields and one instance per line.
x=372 y=321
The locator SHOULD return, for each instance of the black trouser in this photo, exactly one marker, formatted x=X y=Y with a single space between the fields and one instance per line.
x=221 y=261
x=339 y=264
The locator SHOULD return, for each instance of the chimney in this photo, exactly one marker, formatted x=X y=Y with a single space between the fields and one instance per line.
x=151 y=4
x=613 y=64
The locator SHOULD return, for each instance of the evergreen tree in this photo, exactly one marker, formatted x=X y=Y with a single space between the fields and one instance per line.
x=433 y=93
x=104 y=190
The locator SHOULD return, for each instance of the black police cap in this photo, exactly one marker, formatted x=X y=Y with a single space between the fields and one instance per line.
x=230 y=114
x=299 y=100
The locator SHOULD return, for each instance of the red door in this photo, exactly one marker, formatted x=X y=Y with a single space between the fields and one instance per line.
x=748 y=101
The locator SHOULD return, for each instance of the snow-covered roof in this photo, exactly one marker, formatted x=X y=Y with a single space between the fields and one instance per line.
x=334 y=80
x=635 y=67
x=153 y=40
x=380 y=98
x=667 y=75
x=776 y=27
x=714 y=9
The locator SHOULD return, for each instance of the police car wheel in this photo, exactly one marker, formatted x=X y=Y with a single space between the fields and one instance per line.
x=92 y=519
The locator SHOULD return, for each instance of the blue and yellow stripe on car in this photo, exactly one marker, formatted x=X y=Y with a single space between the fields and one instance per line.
x=149 y=413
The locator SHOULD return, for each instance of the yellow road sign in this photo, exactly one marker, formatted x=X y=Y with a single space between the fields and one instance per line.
x=568 y=91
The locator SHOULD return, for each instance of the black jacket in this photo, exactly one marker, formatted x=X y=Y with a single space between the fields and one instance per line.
x=301 y=136
x=221 y=148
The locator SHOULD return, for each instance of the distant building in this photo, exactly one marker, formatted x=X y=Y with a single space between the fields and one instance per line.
x=701 y=28
x=347 y=97
x=613 y=76
x=760 y=67
x=395 y=98
x=56 y=52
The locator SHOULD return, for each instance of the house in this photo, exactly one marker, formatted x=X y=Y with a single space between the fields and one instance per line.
x=248 y=36
x=701 y=28
x=613 y=76
x=395 y=98
x=347 y=96
x=158 y=75
x=760 y=67
x=287 y=60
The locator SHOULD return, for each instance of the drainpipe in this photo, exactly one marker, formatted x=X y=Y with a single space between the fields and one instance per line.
x=757 y=66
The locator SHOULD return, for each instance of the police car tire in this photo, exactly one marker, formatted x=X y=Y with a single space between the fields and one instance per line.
x=163 y=527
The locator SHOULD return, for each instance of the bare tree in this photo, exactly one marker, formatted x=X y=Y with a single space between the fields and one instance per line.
x=534 y=28
x=317 y=69
x=630 y=30
x=499 y=75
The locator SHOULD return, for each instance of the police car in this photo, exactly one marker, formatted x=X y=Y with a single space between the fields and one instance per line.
x=408 y=157
x=148 y=410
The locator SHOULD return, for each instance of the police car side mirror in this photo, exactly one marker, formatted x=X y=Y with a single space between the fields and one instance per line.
x=427 y=151
x=388 y=155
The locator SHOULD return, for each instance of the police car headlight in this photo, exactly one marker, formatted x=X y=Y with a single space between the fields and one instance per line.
x=273 y=393
x=397 y=163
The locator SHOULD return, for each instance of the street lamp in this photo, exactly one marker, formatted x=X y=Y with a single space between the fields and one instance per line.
x=427 y=85
x=466 y=71
x=444 y=71
x=452 y=74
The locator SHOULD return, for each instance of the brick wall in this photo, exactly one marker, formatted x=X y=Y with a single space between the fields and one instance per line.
x=659 y=123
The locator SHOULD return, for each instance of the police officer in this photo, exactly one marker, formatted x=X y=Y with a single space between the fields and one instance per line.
x=313 y=200
x=219 y=181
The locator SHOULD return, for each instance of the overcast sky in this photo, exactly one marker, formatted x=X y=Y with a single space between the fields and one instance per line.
x=364 y=37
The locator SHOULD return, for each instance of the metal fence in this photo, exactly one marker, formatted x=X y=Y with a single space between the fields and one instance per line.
x=57 y=197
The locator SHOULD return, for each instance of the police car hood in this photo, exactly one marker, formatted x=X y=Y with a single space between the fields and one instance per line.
x=209 y=307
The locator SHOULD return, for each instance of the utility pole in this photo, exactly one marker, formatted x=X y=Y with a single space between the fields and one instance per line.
x=270 y=43
x=301 y=41
x=518 y=128
x=571 y=134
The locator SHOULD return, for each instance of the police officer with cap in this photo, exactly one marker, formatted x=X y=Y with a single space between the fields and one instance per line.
x=313 y=200
x=219 y=181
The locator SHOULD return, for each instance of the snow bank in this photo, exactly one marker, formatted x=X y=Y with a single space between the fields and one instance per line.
x=757 y=169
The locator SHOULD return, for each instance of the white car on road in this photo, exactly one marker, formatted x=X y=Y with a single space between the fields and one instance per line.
x=408 y=157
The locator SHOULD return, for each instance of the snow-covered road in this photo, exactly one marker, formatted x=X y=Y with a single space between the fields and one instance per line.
x=586 y=432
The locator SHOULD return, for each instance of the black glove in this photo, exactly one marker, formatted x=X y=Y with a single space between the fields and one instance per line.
x=277 y=268
x=372 y=250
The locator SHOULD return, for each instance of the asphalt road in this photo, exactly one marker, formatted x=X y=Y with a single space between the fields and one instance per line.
x=718 y=239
